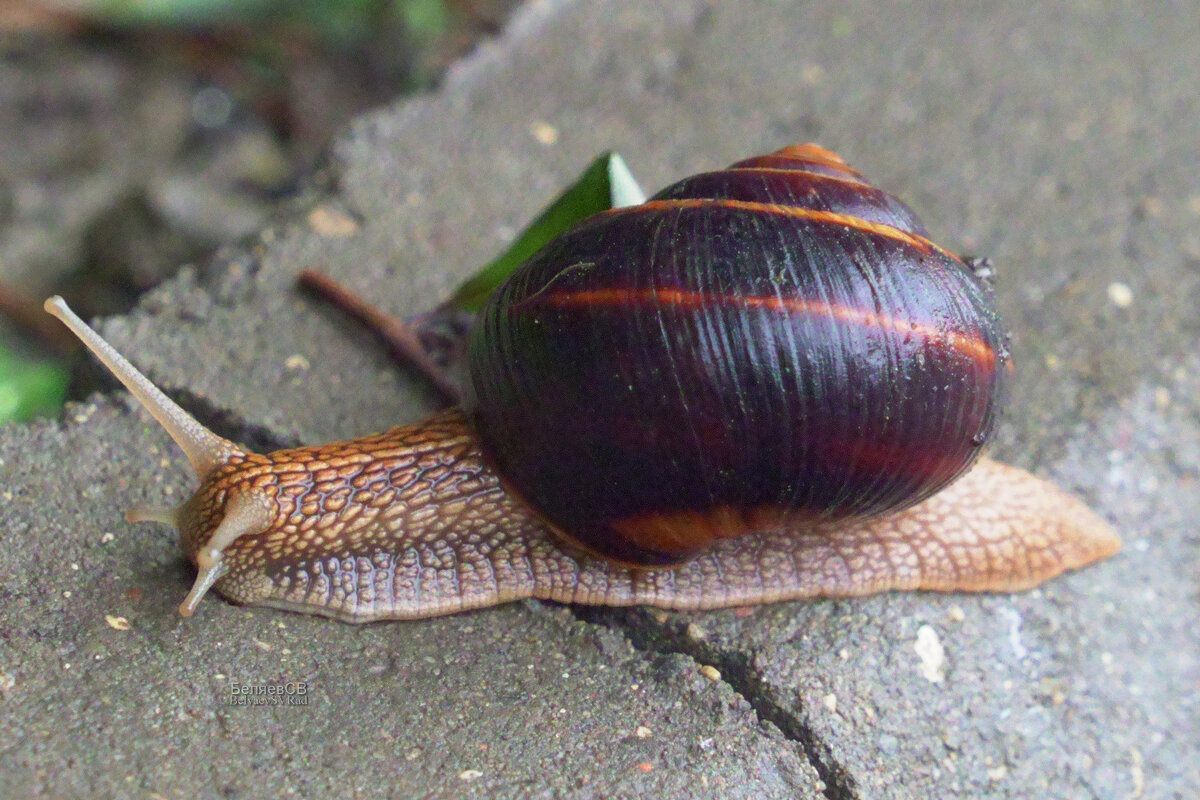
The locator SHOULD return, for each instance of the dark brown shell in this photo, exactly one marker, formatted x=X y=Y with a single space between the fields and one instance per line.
x=771 y=342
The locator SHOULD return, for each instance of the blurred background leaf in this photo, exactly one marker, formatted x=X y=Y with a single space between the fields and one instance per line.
x=29 y=387
x=139 y=136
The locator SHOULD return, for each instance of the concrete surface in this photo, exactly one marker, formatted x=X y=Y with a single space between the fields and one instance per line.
x=1058 y=138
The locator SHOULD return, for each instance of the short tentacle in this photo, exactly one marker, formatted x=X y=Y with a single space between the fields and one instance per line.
x=245 y=514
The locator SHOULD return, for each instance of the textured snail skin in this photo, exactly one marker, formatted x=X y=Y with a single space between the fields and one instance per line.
x=417 y=521
x=413 y=523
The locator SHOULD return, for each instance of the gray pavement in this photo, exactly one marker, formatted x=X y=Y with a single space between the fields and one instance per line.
x=1059 y=139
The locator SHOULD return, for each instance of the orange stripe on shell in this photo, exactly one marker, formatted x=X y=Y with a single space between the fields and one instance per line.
x=975 y=348
x=795 y=212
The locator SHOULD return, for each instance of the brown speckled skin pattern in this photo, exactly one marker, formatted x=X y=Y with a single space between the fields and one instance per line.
x=431 y=531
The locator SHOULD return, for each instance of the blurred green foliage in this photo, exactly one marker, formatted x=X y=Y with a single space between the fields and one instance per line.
x=29 y=388
x=339 y=22
x=32 y=387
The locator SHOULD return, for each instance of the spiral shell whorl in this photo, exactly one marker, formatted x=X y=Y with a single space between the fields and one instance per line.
x=803 y=176
x=773 y=341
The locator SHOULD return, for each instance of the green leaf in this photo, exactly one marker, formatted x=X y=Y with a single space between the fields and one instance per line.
x=335 y=21
x=423 y=19
x=172 y=12
x=606 y=183
x=29 y=388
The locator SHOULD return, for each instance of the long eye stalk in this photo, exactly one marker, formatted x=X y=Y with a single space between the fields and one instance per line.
x=203 y=448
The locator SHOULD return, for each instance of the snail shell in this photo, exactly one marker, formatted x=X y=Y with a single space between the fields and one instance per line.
x=777 y=341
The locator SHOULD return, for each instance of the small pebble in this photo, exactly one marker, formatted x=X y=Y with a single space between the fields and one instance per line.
x=330 y=222
x=932 y=654
x=297 y=363
x=1120 y=295
x=1136 y=773
x=544 y=132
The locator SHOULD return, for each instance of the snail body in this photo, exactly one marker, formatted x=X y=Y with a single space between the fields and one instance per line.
x=757 y=385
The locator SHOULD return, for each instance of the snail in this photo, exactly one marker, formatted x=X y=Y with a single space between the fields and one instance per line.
x=763 y=383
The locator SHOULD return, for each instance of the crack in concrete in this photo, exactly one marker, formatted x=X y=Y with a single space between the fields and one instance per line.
x=652 y=635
